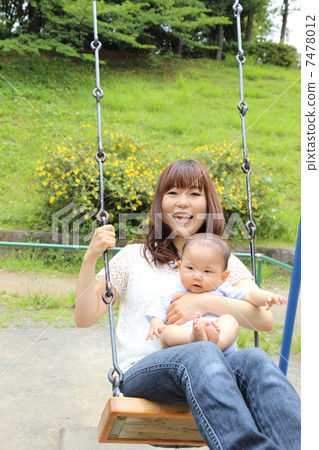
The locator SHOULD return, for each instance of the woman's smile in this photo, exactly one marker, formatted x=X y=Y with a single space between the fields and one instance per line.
x=182 y=217
x=184 y=210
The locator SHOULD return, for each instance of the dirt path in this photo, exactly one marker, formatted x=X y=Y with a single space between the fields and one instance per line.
x=32 y=282
x=23 y=282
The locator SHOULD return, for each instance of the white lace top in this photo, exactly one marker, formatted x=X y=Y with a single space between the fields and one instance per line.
x=139 y=285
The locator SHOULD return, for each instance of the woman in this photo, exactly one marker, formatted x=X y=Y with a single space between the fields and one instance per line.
x=239 y=402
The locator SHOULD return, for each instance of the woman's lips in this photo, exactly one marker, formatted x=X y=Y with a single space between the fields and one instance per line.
x=182 y=218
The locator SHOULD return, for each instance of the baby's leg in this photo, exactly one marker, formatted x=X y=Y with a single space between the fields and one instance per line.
x=199 y=332
x=175 y=335
x=228 y=327
x=212 y=331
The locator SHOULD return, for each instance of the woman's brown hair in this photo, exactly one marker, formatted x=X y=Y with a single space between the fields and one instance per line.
x=183 y=174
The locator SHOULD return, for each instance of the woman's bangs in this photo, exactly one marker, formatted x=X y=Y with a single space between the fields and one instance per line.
x=184 y=176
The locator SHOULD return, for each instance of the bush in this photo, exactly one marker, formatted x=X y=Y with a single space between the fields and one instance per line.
x=131 y=171
x=270 y=52
x=264 y=52
x=71 y=175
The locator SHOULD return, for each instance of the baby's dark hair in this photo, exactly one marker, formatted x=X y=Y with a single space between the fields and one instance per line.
x=210 y=240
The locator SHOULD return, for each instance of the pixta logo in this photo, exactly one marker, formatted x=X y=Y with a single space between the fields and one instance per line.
x=66 y=224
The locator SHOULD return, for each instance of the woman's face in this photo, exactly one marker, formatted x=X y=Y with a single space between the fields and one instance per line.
x=184 y=210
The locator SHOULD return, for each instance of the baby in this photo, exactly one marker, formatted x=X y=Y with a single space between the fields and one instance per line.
x=203 y=268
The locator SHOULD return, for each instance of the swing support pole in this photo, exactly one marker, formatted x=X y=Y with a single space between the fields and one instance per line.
x=291 y=306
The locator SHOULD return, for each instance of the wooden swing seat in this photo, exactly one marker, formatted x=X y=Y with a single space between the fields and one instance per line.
x=140 y=421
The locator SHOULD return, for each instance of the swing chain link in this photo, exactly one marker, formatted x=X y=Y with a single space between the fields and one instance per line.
x=246 y=165
x=115 y=375
x=243 y=107
x=100 y=156
x=97 y=92
x=115 y=380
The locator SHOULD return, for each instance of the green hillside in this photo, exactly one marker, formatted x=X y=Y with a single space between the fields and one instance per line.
x=173 y=107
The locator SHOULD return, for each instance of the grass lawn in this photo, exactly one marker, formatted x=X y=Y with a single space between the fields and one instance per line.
x=175 y=106
x=58 y=311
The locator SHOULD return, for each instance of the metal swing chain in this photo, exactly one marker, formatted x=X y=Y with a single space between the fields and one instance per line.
x=246 y=166
x=115 y=375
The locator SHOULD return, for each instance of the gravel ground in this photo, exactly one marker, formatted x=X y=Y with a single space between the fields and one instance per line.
x=56 y=378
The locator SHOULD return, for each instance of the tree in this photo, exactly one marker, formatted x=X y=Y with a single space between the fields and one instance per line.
x=250 y=23
x=284 y=9
x=52 y=25
x=65 y=26
x=255 y=21
x=183 y=27
x=160 y=26
x=11 y=17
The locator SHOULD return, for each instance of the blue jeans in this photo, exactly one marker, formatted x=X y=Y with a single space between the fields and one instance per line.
x=240 y=402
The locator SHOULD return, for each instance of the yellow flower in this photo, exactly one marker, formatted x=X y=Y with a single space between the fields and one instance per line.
x=51 y=200
x=44 y=183
x=119 y=207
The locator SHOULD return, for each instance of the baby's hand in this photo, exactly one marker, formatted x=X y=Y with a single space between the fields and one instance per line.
x=156 y=328
x=275 y=299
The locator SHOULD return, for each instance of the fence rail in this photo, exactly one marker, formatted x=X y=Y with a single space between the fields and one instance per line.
x=259 y=256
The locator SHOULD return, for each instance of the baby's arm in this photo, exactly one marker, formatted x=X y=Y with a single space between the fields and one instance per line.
x=259 y=297
x=156 y=327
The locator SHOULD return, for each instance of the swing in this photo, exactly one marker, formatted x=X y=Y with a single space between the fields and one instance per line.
x=136 y=420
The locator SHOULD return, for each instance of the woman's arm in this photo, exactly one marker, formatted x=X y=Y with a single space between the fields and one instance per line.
x=247 y=315
x=89 y=306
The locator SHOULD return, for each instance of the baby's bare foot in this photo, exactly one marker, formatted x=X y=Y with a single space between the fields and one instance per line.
x=198 y=333
x=212 y=332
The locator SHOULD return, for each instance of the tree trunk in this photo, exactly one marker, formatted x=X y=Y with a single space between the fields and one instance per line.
x=35 y=21
x=178 y=46
x=284 y=21
x=250 y=23
x=220 y=40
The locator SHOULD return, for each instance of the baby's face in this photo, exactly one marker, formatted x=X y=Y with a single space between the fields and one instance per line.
x=201 y=269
